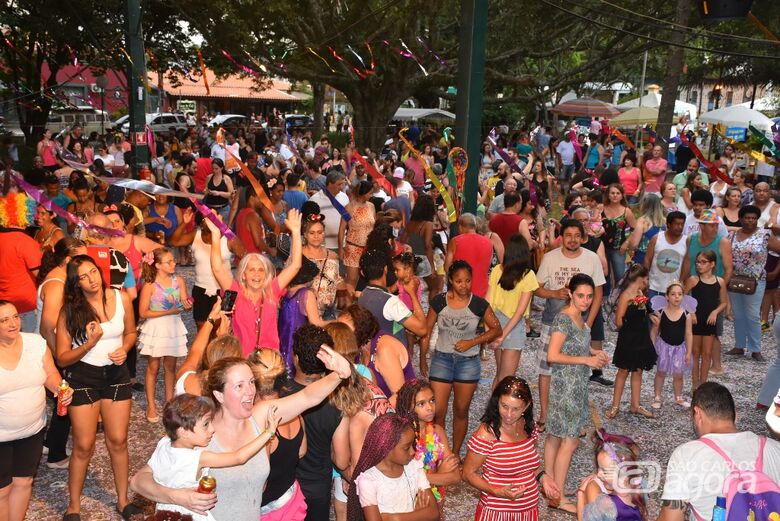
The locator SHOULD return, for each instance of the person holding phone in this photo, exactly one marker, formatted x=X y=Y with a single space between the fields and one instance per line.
x=258 y=290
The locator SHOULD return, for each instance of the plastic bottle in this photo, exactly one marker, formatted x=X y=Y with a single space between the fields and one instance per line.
x=719 y=512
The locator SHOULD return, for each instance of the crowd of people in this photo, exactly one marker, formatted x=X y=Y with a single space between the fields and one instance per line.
x=317 y=288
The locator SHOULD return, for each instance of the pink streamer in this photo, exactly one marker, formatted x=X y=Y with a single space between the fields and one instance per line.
x=244 y=68
x=209 y=214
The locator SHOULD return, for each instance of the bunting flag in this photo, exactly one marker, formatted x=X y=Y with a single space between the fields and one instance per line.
x=445 y=194
x=624 y=138
x=203 y=72
x=764 y=140
x=41 y=198
x=209 y=214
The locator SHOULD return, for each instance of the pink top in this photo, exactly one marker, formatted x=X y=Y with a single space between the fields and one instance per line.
x=629 y=179
x=653 y=182
x=406 y=298
x=49 y=159
x=245 y=315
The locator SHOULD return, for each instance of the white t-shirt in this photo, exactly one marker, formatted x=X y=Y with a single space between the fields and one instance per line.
x=692 y=226
x=332 y=216
x=696 y=472
x=556 y=270
x=566 y=150
x=404 y=188
x=22 y=394
x=176 y=468
x=392 y=495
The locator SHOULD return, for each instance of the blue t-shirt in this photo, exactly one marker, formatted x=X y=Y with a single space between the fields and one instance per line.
x=294 y=199
x=62 y=201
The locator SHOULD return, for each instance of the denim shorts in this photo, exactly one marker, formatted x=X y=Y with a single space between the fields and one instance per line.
x=452 y=367
x=516 y=338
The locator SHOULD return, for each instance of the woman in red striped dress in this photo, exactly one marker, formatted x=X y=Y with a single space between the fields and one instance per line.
x=504 y=447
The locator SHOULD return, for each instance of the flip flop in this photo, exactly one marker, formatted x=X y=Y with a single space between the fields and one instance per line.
x=560 y=507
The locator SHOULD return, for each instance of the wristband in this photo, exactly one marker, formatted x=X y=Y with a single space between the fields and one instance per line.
x=539 y=477
x=270 y=432
x=211 y=321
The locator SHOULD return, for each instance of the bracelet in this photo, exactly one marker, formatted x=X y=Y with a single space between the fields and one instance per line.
x=272 y=434
x=211 y=321
x=539 y=477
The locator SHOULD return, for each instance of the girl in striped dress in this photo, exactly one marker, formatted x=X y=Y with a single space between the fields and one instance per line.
x=504 y=447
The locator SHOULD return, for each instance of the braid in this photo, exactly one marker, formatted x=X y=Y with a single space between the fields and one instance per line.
x=381 y=437
x=405 y=400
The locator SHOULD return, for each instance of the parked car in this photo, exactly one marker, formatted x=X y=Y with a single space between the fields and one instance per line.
x=117 y=125
x=298 y=122
x=229 y=121
x=90 y=119
x=161 y=122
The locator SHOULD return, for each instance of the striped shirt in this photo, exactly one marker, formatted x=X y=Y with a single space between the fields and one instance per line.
x=508 y=463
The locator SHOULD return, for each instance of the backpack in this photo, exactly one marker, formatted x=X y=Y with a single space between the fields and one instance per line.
x=750 y=494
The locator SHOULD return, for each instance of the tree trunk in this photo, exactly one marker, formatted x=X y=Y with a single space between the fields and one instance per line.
x=373 y=112
x=672 y=80
x=318 y=98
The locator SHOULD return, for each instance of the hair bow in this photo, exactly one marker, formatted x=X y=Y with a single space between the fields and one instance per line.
x=149 y=258
x=110 y=208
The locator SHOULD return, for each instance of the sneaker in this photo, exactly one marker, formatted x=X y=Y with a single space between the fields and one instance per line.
x=599 y=379
x=765 y=326
x=533 y=334
x=63 y=464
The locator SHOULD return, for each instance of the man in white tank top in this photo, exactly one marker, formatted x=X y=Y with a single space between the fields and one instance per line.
x=665 y=253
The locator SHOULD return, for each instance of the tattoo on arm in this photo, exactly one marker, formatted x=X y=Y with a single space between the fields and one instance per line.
x=674 y=504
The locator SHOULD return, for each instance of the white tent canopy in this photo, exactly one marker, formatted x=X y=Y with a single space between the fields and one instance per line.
x=653 y=100
x=738 y=116
x=407 y=114
x=767 y=104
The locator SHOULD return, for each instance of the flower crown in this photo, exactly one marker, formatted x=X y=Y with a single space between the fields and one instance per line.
x=271 y=182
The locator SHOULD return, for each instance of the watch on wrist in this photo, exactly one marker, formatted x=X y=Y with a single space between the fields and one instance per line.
x=212 y=321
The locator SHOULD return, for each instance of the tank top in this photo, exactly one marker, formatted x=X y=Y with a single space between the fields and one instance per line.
x=416 y=242
x=729 y=222
x=283 y=462
x=216 y=201
x=667 y=262
x=593 y=157
x=164 y=298
x=695 y=247
x=204 y=277
x=243 y=232
x=179 y=387
x=113 y=331
x=764 y=217
x=134 y=257
x=240 y=487
x=641 y=249
x=408 y=369
x=39 y=302
x=170 y=214
x=672 y=331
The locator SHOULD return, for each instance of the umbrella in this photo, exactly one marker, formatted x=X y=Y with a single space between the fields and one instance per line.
x=637 y=116
x=589 y=107
x=737 y=116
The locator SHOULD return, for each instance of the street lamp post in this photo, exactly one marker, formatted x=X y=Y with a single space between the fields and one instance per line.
x=102 y=82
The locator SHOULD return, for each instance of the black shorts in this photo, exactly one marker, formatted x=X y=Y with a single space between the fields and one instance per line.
x=20 y=458
x=91 y=383
x=597 y=331
x=202 y=303
x=771 y=264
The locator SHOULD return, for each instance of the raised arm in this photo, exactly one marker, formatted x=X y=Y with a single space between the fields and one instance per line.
x=224 y=277
x=293 y=223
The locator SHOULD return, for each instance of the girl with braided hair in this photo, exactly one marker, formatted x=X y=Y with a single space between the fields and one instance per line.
x=387 y=479
x=417 y=404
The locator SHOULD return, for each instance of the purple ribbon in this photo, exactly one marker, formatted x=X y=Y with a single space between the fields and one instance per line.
x=337 y=205
x=39 y=197
x=512 y=165
x=209 y=214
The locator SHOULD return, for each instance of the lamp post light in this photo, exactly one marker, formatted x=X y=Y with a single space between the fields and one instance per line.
x=102 y=82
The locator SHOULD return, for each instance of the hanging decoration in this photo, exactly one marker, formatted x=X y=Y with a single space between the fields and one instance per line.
x=244 y=68
x=624 y=138
x=209 y=214
x=321 y=58
x=430 y=51
x=445 y=194
x=203 y=72
x=459 y=162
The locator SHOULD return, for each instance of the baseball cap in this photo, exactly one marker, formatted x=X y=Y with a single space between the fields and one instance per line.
x=399 y=172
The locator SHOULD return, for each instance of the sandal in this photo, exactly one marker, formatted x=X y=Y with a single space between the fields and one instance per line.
x=682 y=402
x=641 y=411
x=540 y=428
x=129 y=511
x=656 y=403
x=564 y=506
x=612 y=412
x=153 y=419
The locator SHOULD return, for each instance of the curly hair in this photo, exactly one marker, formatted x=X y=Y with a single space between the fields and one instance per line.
x=381 y=437
x=306 y=344
x=366 y=325
x=515 y=387
x=407 y=397
x=424 y=209
x=351 y=395
x=79 y=312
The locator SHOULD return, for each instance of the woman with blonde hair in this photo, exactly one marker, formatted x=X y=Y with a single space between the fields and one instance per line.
x=282 y=498
x=651 y=221
x=256 y=309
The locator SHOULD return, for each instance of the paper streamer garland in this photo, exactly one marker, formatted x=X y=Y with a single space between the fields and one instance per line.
x=755 y=154
x=209 y=214
x=147 y=187
x=711 y=170
x=764 y=140
x=445 y=194
x=244 y=68
x=624 y=138
x=40 y=198
x=203 y=72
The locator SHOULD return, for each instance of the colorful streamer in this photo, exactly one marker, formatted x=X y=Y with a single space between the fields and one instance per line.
x=72 y=55
x=711 y=170
x=428 y=49
x=764 y=140
x=372 y=69
x=412 y=56
x=624 y=138
x=445 y=194
x=244 y=68
x=337 y=205
x=255 y=62
x=40 y=198
x=457 y=164
x=321 y=58
x=147 y=187
x=379 y=178
x=245 y=172
x=755 y=154
x=203 y=71
x=209 y=214
x=17 y=51
x=129 y=59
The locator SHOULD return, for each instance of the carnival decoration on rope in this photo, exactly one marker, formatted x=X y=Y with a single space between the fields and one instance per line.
x=445 y=195
x=203 y=72
x=493 y=140
x=768 y=143
x=458 y=163
x=244 y=68
x=711 y=170
x=624 y=138
x=209 y=214
x=147 y=187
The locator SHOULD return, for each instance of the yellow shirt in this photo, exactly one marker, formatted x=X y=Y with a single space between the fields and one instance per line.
x=506 y=301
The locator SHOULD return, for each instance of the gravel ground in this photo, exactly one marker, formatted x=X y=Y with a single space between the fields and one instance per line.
x=657 y=437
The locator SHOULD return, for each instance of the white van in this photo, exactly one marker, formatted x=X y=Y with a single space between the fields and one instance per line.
x=89 y=118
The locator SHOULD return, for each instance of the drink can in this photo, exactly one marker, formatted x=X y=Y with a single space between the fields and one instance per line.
x=62 y=410
x=207 y=484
